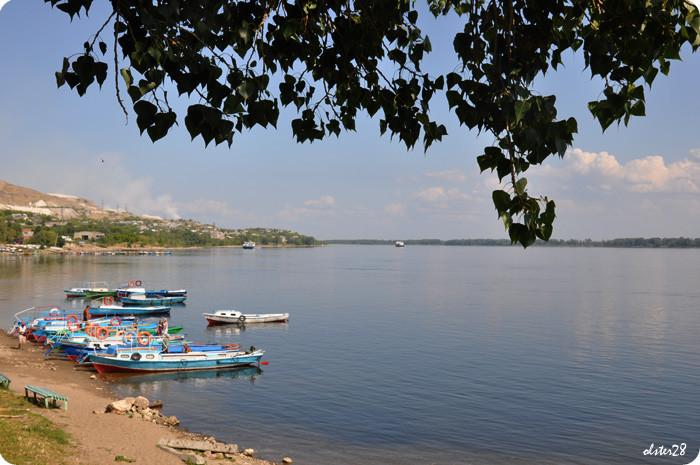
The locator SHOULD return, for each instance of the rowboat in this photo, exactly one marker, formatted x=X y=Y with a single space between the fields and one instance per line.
x=117 y=310
x=147 y=359
x=56 y=330
x=99 y=293
x=141 y=300
x=220 y=317
x=133 y=291
x=42 y=328
x=79 y=348
x=78 y=289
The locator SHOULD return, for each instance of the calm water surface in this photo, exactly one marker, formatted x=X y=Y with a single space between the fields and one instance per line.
x=433 y=355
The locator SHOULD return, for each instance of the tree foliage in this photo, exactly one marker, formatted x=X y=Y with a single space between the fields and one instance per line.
x=332 y=60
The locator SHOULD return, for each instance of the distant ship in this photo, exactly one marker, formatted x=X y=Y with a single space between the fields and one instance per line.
x=250 y=245
x=399 y=244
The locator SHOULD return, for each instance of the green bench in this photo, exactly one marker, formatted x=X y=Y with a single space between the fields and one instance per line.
x=4 y=381
x=47 y=394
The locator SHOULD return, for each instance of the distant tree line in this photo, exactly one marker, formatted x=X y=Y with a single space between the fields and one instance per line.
x=636 y=242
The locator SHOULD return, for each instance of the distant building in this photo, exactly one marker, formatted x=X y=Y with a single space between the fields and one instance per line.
x=27 y=233
x=88 y=235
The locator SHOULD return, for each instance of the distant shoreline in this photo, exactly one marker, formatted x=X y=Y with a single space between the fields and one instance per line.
x=20 y=249
x=629 y=243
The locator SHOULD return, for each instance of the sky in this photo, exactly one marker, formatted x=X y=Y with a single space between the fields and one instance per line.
x=642 y=180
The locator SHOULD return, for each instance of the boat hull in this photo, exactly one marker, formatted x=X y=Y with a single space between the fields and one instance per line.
x=136 y=302
x=174 y=362
x=114 y=310
x=215 y=319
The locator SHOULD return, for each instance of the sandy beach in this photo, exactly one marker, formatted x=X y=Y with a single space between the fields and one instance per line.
x=98 y=436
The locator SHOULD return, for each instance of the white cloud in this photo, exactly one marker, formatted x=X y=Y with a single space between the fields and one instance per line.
x=207 y=208
x=439 y=195
x=453 y=175
x=326 y=201
x=599 y=196
x=395 y=210
x=100 y=177
x=323 y=207
x=644 y=175
x=2 y=3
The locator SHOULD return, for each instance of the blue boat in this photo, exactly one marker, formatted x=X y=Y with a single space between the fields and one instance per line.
x=78 y=350
x=132 y=291
x=147 y=359
x=141 y=300
x=116 y=310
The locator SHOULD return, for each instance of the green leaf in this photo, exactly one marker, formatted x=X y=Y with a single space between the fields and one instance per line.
x=638 y=109
x=518 y=233
x=60 y=78
x=546 y=232
x=520 y=185
x=521 y=107
x=246 y=89
x=100 y=72
x=507 y=219
x=146 y=112
x=490 y=158
x=501 y=200
x=126 y=75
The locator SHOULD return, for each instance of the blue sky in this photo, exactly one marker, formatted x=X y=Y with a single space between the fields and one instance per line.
x=640 y=180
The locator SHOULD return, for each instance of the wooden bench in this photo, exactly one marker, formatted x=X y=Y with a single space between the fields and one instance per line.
x=4 y=381
x=47 y=394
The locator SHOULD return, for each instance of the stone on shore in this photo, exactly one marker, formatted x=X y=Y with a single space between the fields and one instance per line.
x=141 y=403
x=201 y=445
x=118 y=406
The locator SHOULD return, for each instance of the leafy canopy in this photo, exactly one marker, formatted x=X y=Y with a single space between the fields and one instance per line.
x=333 y=60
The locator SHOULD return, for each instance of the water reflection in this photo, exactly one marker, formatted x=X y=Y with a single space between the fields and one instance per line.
x=235 y=329
x=138 y=378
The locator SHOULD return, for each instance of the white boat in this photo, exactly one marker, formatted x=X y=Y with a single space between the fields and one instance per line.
x=399 y=244
x=250 y=245
x=78 y=289
x=220 y=317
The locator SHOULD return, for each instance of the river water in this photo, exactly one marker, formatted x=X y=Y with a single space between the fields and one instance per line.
x=427 y=355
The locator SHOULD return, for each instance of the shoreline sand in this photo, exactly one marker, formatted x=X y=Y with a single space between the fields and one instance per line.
x=98 y=437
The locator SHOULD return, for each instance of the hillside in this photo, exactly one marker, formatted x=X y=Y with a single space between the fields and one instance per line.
x=19 y=198
x=28 y=216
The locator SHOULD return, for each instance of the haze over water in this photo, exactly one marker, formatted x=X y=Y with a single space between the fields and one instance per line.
x=448 y=355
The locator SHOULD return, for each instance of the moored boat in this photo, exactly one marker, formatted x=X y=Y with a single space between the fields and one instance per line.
x=78 y=348
x=100 y=293
x=233 y=316
x=142 y=300
x=78 y=289
x=117 y=310
x=250 y=245
x=136 y=290
x=153 y=360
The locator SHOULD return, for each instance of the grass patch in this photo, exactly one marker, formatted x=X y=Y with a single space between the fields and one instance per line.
x=28 y=438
